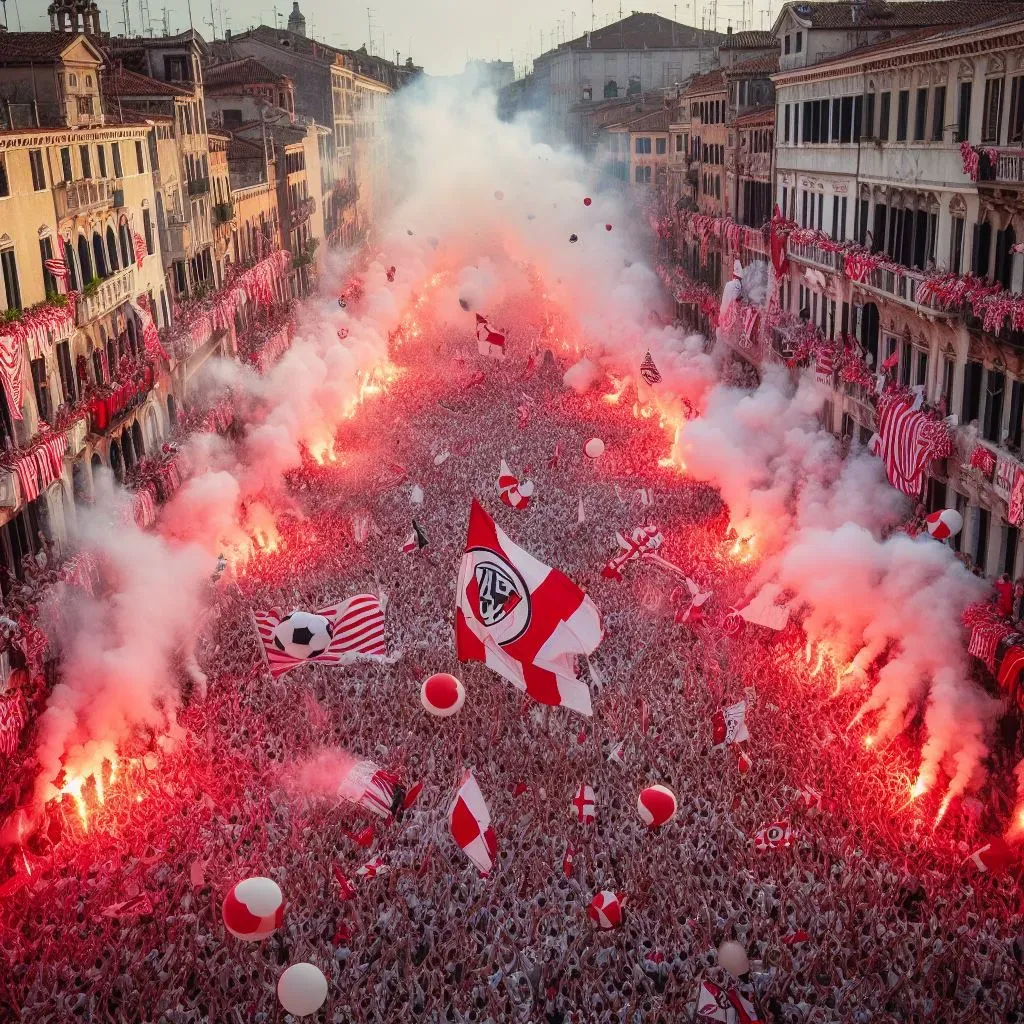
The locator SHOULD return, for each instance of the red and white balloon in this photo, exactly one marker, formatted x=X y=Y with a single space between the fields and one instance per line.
x=253 y=909
x=945 y=523
x=605 y=909
x=656 y=805
x=442 y=695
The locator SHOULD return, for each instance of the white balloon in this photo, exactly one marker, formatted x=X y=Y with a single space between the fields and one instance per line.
x=733 y=957
x=594 y=448
x=526 y=488
x=302 y=989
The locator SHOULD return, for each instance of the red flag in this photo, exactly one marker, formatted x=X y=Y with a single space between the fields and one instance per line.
x=373 y=868
x=342 y=935
x=520 y=788
x=348 y=890
x=412 y=795
x=745 y=1011
x=581 y=736
x=743 y=762
x=994 y=857
x=521 y=618
x=567 y=860
x=136 y=906
x=796 y=938
x=361 y=838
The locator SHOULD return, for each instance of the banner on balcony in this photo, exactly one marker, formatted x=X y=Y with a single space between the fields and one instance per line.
x=907 y=441
x=1002 y=480
x=12 y=373
x=1015 y=510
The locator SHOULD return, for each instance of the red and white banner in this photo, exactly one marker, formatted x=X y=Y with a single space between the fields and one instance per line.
x=369 y=786
x=521 y=618
x=356 y=627
x=907 y=442
x=489 y=343
x=776 y=836
x=469 y=821
x=729 y=725
x=583 y=808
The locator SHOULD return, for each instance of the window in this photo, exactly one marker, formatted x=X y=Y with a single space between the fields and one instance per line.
x=883 y=115
x=115 y=152
x=65 y=163
x=35 y=159
x=992 y=112
x=963 y=117
x=147 y=227
x=5 y=185
x=139 y=162
x=799 y=41
x=643 y=175
x=862 y=222
x=83 y=152
x=176 y=69
x=956 y=244
x=1013 y=438
x=995 y=386
x=41 y=386
x=938 y=113
x=661 y=146
x=920 y=115
x=643 y=145
x=46 y=253
x=972 y=391
x=796 y=122
x=101 y=160
x=948 y=373
x=868 y=125
x=679 y=143
x=981 y=249
x=12 y=290
x=785 y=45
x=902 y=114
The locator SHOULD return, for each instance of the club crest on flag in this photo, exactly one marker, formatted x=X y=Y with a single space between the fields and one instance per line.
x=498 y=594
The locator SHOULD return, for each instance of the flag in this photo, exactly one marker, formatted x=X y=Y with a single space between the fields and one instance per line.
x=743 y=762
x=711 y=1003
x=796 y=938
x=555 y=456
x=778 y=835
x=469 y=821
x=356 y=627
x=649 y=371
x=489 y=343
x=642 y=543
x=811 y=799
x=907 y=441
x=416 y=541
x=373 y=868
x=521 y=618
x=342 y=935
x=362 y=838
x=58 y=266
x=645 y=717
x=412 y=796
x=729 y=725
x=646 y=496
x=617 y=754
x=823 y=367
x=653 y=960
x=137 y=906
x=581 y=515
x=370 y=787
x=567 y=860
x=531 y=365
x=994 y=857
x=141 y=249
x=582 y=807
x=745 y=1012
x=513 y=493
x=520 y=788
x=348 y=890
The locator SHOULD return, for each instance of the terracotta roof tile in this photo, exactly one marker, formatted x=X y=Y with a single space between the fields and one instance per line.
x=767 y=64
x=642 y=31
x=753 y=118
x=712 y=81
x=880 y=14
x=246 y=71
x=750 y=41
x=25 y=46
x=119 y=81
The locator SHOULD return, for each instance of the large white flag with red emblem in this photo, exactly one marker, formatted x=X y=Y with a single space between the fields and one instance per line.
x=470 y=824
x=521 y=618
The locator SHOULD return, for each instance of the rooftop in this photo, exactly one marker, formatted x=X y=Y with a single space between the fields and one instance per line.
x=880 y=14
x=750 y=41
x=245 y=71
x=767 y=64
x=755 y=118
x=119 y=81
x=35 y=47
x=642 y=32
x=713 y=81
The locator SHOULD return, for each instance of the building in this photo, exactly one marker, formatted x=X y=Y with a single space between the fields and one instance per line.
x=749 y=167
x=637 y=151
x=238 y=91
x=640 y=53
x=587 y=120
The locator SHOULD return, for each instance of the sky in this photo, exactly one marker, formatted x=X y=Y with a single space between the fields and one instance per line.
x=440 y=35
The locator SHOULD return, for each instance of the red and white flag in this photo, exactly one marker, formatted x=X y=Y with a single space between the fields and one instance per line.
x=729 y=725
x=796 y=938
x=470 y=823
x=521 y=618
x=489 y=343
x=745 y=1011
x=812 y=800
x=583 y=808
x=712 y=1003
x=556 y=455
x=373 y=868
x=369 y=786
x=347 y=889
x=567 y=860
x=513 y=493
x=412 y=795
x=743 y=761
x=364 y=837
x=994 y=857
x=778 y=835
x=907 y=441
x=12 y=720
x=823 y=367
x=617 y=755
x=347 y=630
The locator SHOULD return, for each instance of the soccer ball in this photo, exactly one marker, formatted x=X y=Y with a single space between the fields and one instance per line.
x=303 y=634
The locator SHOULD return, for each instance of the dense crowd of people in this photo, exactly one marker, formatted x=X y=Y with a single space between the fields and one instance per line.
x=111 y=911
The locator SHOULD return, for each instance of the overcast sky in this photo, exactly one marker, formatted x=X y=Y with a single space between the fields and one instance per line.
x=439 y=34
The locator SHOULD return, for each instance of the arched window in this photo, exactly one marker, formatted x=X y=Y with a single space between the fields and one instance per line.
x=133 y=342
x=111 y=358
x=84 y=260
x=97 y=366
x=112 y=251
x=98 y=255
x=172 y=412
x=128 y=448
x=140 y=449
x=116 y=461
x=126 y=243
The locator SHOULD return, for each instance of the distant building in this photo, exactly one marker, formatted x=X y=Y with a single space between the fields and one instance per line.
x=494 y=74
x=638 y=54
x=637 y=151
x=296 y=20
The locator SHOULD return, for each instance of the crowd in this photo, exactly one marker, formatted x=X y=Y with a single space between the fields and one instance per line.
x=871 y=915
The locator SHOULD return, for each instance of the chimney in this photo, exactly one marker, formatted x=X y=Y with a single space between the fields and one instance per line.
x=728 y=30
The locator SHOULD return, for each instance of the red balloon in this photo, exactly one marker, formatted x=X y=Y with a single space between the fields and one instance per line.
x=253 y=909
x=499 y=194
x=442 y=695
x=607 y=227
x=587 y=201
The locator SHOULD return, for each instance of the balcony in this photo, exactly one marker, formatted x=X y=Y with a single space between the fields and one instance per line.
x=76 y=437
x=903 y=287
x=199 y=187
x=76 y=197
x=816 y=255
x=1008 y=168
x=223 y=213
x=175 y=239
x=108 y=295
x=303 y=211
x=989 y=491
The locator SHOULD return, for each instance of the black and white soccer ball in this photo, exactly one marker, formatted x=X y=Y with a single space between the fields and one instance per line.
x=303 y=634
